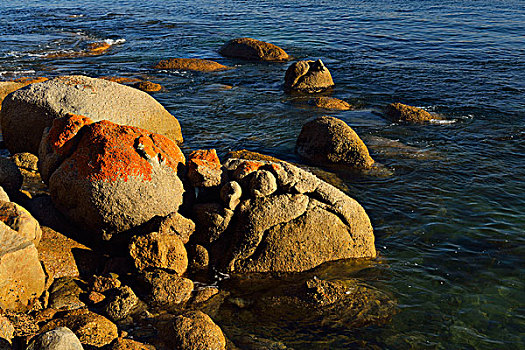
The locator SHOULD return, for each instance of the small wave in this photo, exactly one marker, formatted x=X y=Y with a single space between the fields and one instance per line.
x=114 y=41
x=76 y=16
x=14 y=72
x=443 y=121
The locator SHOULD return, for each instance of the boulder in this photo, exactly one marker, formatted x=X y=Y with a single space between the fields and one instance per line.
x=120 y=303
x=307 y=76
x=231 y=194
x=199 y=258
x=27 y=112
x=61 y=338
x=252 y=49
x=263 y=183
x=129 y=344
x=156 y=250
x=328 y=140
x=91 y=329
x=64 y=294
x=303 y=224
x=204 y=168
x=172 y=224
x=398 y=112
x=195 y=330
x=7 y=87
x=212 y=220
x=11 y=178
x=330 y=103
x=193 y=64
x=165 y=290
x=108 y=178
x=21 y=221
x=21 y=276
x=147 y=86
x=7 y=330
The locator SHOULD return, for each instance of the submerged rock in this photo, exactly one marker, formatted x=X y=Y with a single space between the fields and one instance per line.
x=330 y=103
x=109 y=178
x=398 y=112
x=194 y=64
x=27 y=112
x=252 y=49
x=307 y=76
x=328 y=140
x=147 y=86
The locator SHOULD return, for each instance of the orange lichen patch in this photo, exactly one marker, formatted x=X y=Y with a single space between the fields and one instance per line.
x=111 y=152
x=121 y=80
x=147 y=86
x=206 y=157
x=98 y=47
x=246 y=168
x=63 y=130
x=30 y=80
x=250 y=155
x=194 y=64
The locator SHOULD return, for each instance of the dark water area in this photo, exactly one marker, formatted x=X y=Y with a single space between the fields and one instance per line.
x=448 y=221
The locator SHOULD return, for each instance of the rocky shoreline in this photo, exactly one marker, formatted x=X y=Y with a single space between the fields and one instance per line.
x=111 y=237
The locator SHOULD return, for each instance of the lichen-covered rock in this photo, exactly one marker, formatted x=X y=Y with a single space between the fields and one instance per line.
x=91 y=329
x=195 y=330
x=120 y=303
x=328 y=140
x=307 y=76
x=167 y=291
x=303 y=224
x=252 y=49
x=10 y=176
x=21 y=221
x=204 y=168
x=21 y=276
x=28 y=111
x=330 y=103
x=398 y=112
x=156 y=250
x=193 y=64
x=108 y=178
x=61 y=338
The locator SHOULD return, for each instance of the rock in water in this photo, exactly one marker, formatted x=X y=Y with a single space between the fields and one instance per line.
x=28 y=111
x=109 y=178
x=328 y=140
x=307 y=76
x=398 y=112
x=194 y=64
x=252 y=49
x=21 y=276
x=195 y=330
x=330 y=103
x=61 y=338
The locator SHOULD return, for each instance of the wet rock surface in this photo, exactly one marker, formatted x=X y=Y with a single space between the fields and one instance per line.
x=196 y=330
x=398 y=112
x=252 y=49
x=192 y=64
x=308 y=77
x=330 y=103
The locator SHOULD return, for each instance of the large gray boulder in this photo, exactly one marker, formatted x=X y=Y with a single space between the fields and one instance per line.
x=109 y=178
x=28 y=111
x=299 y=225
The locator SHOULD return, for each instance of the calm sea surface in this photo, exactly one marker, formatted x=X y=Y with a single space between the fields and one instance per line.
x=449 y=221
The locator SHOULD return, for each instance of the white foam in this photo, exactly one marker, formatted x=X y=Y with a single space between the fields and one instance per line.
x=19 y=72
x=115 y=41
x=443 y=121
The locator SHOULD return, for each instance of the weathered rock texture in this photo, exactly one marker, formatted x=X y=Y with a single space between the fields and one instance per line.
x=330 y=103
x=328 y=140
x=194 y=64
x=157 y=250
x=204 y=168
x=21 y=221
x=252 y=49
x=398 y=112
x=109 y=178
x=165 y=290
x=196 y=330
x=307 y=76
x=21 y=276
x=28 y=111
x=287 y=221
x=61 y=338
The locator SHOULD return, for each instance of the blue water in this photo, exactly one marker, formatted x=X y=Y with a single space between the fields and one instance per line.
x=449 y=221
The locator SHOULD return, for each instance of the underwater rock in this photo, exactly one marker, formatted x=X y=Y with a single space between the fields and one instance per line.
x=193 y=64
x=330 y=103
x=252 y=49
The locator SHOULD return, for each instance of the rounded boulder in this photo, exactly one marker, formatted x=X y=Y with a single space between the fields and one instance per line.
x=252 y=49
x=307 y=76
x=28 y=111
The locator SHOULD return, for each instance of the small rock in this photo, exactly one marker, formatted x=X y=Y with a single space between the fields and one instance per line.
x=328 y=140
x=156 y=250
x=212 y=220
x=200 y=258
x=398 y=112
x=121 y=303
x=7 y=331
x=25 y=160
x=121 y=80
x=90 y=328
x=252 y=49
x=61 y=338
x=231 y=194
x=21 y=221
x=307 y=76
x=204 y=168
x=95 y=297
x=147 y=86
x=250 y=155
x=196 y=330
x=262 y=184
x=173 y=224
x=202 y=295
x=98 y=48
x=65 y=293
x=102 y=284
x=194 y=64
x=330 y=103
x=167 y=291
x=11 y=178
x=129 y=344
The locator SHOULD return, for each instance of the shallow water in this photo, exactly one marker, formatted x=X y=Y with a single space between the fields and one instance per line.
x=449 y=221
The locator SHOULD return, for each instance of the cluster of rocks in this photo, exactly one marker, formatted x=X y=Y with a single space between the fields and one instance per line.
x=153 y=221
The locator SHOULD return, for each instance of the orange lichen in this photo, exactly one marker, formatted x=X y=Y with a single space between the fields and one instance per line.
x=30 y=80
x=204 y=157
x=98 y=47
x=246 y=168
x=63 y=130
